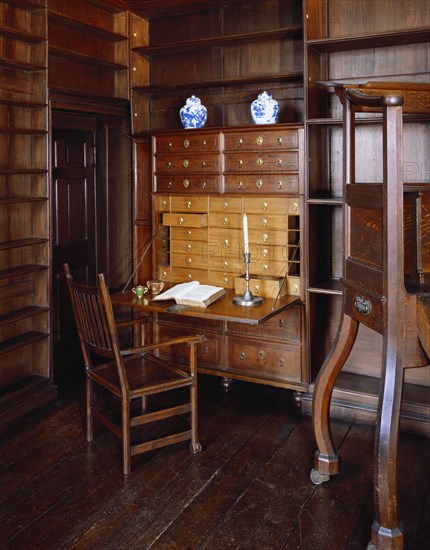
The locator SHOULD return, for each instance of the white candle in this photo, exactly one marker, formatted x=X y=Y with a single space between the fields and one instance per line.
x=245 y=233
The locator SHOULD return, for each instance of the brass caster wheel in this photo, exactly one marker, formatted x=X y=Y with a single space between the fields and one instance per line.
x=195 y=448
x=318 y=478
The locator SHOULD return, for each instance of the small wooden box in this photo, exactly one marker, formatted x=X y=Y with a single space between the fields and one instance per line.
x=261 y=285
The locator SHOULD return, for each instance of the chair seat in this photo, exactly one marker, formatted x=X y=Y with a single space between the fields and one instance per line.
x=146 y=375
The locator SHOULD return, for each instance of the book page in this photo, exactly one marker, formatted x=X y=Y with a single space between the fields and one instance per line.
x=177 y=291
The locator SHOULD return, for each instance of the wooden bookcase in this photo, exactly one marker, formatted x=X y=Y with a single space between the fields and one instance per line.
x=356 y=42
x=25 y=341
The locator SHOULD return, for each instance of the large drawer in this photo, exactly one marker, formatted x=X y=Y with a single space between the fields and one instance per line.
x=262 y=139
x=271 y=360
x=184 y=164
x=261 y=183
x=194 y=183
x=187 y=142
x=282 y=161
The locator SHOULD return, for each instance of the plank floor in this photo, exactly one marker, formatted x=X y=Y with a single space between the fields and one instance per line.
x=248 y=488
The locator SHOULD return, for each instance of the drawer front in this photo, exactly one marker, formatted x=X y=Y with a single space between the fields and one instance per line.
x=266 y=205
x=268 y=237
x=208 y=352
x=227 y=220
x=189 y=233
x=284 y=161
x=180 y=203
x=184 y=164
x=218 y=263
x=269 y=221
x=262 y=183
x=261 y=267
x=224 y=241
x=264 y=139
x=184 y=247
x=269 y=361
x=164 y=204
x=200 y=324
x=284 y=327
x=181 y=275
x=187 y=184
x=189 y=261
x=185 y=220
x=163 y=273
x=222 y=278
x=186 y=142
x=225 y=204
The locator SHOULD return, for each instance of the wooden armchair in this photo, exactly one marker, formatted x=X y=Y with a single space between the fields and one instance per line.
x=131 y=374
x=377 y=293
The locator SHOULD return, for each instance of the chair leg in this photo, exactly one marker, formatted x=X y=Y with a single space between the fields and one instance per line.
x=126 y=437
x=386 y=532
x=326 y=460
x=89 y=407
x=195 y=445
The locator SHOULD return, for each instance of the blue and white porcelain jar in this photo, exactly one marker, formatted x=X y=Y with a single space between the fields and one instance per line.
x=193 y=114
x=265 y=109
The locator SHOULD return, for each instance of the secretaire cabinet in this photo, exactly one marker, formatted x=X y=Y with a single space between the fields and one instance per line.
x=204 y=181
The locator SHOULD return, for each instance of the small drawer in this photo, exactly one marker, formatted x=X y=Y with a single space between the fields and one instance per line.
x=269 y=221
x=294 y=206
x=163 y=273
x=262 y=139
x=179 y=164
x=164 y=204
x=224 y=240
x=189 y=233
x=227 y=220
x=262 y=267
x=188 y=204
x=266 y=360
x=182 y=142
x=182 y=275
x=185 y=247
x=268 y=237
x=265 y=286
x=266 y=205
x=264 y=162
x=222 y=278
x=185 y=220
x=226 y=264
x=262 y=183
x=187 y=184
x=225 y=204
x=189 y=261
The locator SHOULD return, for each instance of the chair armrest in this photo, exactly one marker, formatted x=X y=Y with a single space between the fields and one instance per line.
x=197 y=339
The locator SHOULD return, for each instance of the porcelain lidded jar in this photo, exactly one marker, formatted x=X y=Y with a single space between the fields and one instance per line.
x=265 y=109
x=193 y=114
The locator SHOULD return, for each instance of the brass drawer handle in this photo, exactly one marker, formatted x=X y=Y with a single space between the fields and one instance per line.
x=279 y=184
x=203 y=163
x=257 y=289
x=189 y=261
x=225 y=281
x=204 y=185
x=242 y=355
x=169 y=185
x=265 y=206
x=164 y=204
x=259 y=183
x=265 y=253
x=225 y=243
x=279 y=163
x=181 y=221
x=225 y=221
x=265 y=237
x=259 y=161
x=206 y=350
x=189 y=233
x=189 y=248
x=264 y=222
x=295 y=207
x=186 y=143
x=259 y=140
x=279 y=140
x=239 y=142
x=169 y=164
x=186 y=183
x=240 y=163
x=170 y=144
x=225 y=264
x=265 y=268
x=225 y=205
x=204 y=144
x=239 y=184
x=189 y=204
x=363 y=305
x=185 y=163
x=281 y=363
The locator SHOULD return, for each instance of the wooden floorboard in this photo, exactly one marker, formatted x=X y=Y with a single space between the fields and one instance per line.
x=248 y=489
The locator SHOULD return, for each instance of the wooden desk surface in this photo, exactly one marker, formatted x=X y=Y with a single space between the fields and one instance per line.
x=223 y=309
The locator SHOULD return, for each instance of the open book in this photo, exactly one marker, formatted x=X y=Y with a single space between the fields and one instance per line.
x=192 y=294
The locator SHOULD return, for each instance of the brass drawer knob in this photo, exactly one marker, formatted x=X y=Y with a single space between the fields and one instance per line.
x=189 y=261
x=186 y=183
x=265 y=237
x=261 y=354
x=257 y=289
x=225 y=281
x=206 y=350
x=265 y=268
x=204 y=185
x=190 y=277
x=225 y=221
x=189 y=248
x=169 y=185
x=265 y=253
x=240 y=163
x=225 y=243
x=225 y=205
x=265 y=206
x=203 y=164
x=239 y=184
x=185 y=163
x=204 y=144
x=259 y=140
x=264 y=222
x=181 y=221
x=225 y=264
x=281 y=323
x=259 y=183
x=189 y=233
x=169 y=164
x=170 y=145
x=239 y=142
x=164 y=204
x=242 y=355
x=295 y=207
x=189 y=204
x=279 y=184
x=279 y=140
x=281 y=362
x=279 y=163
x=186 y=143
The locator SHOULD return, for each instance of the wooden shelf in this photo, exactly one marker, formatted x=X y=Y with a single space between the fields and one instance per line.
x=21 y=65
x=90 y=30
x=22 y=270
x=22 y=313
x=22 y=242
x=326 y=287
x=326 y=201
x=87 y=59
x=243 y=81
x=29 y=5
x=22 y=340
x=24 y=104
x=23 y=131
x=369 y=41
x=15 y=34
x=220 y=41
x=23 y=171
x=19 y=200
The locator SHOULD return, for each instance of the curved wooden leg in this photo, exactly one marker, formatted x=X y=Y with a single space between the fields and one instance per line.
x=326 y=461
x=386 y=533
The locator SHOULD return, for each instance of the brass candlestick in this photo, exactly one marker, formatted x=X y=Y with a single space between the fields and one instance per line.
x=247 y=298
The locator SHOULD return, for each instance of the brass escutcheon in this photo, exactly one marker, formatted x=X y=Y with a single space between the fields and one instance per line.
x=259 y=183
x=259 y=161
x=186 y=183
x=186 y=143
x=185 y=163
x=259 y=140
x=261 y=354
